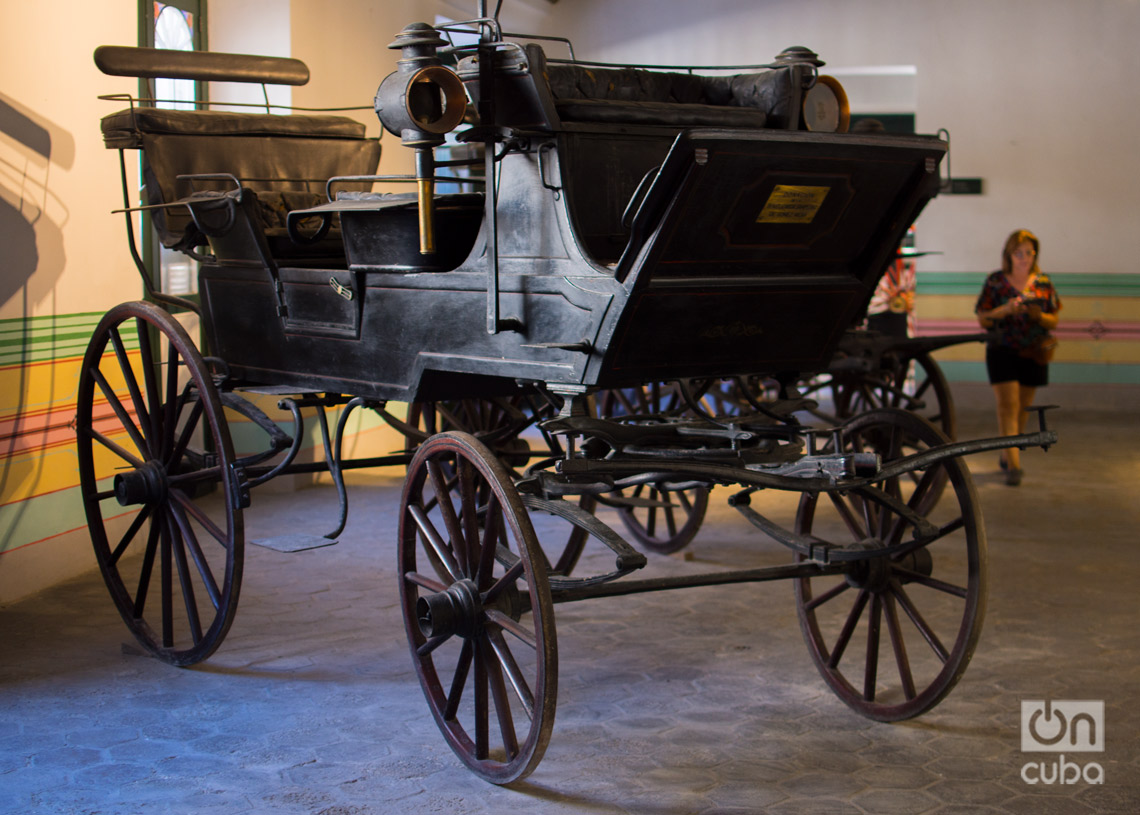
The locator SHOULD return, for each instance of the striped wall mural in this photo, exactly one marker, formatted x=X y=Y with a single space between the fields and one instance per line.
x=40 y=360
x=1098 y=335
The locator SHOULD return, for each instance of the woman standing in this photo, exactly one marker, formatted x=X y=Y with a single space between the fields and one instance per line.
x=1020 y=305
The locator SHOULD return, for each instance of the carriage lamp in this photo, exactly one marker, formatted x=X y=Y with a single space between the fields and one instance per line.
x=420 y=102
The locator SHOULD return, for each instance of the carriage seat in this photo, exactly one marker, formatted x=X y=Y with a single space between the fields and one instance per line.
x=632 y=96
x=284 y=160
x=534 y=93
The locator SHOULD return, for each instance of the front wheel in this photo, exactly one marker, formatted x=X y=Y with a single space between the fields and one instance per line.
x=477 y=608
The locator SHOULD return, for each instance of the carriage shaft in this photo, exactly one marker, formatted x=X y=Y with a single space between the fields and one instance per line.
x=619 y=588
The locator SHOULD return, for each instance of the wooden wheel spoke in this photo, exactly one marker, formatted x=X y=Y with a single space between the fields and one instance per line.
x=931 y=582
x=152 y=546
x=137 y=399
x=425 y=582
x=511 y=669
x=492 y=525
x=430 y=645
x=843 y=506
x=199 y=515
x=482 y=705
x=166 y=581
x=828 y=595
x=171 y=407
x=458 y=681
x=651 y=513
x=499 y=695
x=183 y=440
x=898 y=645
x=122 y=453
x=926 y=482
x=670 y=520
x=190 y=541
x=512 y=626
x=129 y=535
x=431 y=536
x=179 y=544
x=848 y=629
x=150 y=382
x=871 y=667
x=468 y=539
x=923 y=627
x=510 y=576
x=447 y=511
x=128 y=424
x=921 y=389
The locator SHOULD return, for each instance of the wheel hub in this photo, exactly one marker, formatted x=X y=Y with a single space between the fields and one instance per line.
x=918 y=561
x=458 y=610
x=873 y=572
x=144 y=485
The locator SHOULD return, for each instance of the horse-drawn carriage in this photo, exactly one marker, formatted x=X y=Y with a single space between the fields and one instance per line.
x=622 y=227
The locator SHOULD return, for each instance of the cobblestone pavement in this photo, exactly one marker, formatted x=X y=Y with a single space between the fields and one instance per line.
x=695 y=701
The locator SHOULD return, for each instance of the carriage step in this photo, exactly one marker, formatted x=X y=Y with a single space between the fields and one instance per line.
x=294 y=543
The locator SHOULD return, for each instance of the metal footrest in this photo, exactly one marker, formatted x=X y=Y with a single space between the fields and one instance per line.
x=294 y=543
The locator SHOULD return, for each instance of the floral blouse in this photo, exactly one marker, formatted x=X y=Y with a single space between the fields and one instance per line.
x=1018 y=331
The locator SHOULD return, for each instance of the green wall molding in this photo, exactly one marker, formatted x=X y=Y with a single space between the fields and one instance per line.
x=1069 y=284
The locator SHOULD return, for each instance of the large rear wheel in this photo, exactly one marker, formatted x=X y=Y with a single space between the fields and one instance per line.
x=159 y=488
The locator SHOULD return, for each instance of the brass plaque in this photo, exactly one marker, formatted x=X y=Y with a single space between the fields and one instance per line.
x=792 y=204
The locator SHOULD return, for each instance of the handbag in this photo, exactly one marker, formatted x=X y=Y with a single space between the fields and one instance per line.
x=1042 y=351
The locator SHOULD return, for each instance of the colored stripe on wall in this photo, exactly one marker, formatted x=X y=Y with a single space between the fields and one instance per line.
x=43 y=339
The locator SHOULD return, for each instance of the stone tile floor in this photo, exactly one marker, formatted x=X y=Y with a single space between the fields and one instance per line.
x=696 y=701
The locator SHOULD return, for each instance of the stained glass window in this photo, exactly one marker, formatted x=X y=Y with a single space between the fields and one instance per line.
x=174 y=29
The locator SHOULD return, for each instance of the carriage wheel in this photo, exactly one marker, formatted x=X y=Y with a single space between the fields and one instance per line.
x=930 y=599
x=155 y=468
x=498 y=423
x=852 y=393
x=662 y=517
x=665 y=518
x=477 y=608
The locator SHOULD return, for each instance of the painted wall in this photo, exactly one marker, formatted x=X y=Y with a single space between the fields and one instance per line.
x=64 y=263
x=65 y=260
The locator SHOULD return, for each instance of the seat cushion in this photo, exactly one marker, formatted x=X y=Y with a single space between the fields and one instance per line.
x=125 y=128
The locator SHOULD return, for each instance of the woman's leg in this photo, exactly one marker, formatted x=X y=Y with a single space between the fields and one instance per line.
x=1008 y=410
x=1025 y=396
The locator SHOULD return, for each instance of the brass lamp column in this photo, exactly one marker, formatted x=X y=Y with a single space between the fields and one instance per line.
x=420 y=102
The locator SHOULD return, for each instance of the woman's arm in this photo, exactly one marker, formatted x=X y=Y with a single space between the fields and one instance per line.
x=986 y=319
x=1045 y=319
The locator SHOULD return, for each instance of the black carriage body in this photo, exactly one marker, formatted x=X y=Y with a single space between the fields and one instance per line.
x=752 y=251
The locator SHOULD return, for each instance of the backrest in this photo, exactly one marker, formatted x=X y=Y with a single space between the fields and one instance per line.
x=284 y=159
